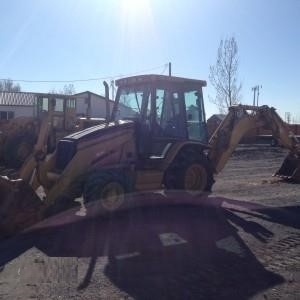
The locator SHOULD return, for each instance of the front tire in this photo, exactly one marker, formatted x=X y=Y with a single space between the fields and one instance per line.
x=108 y=188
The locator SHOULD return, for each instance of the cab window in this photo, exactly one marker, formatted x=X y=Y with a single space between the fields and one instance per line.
x=195 y=116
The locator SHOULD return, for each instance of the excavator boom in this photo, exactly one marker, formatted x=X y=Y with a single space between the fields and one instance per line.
x=238 y=122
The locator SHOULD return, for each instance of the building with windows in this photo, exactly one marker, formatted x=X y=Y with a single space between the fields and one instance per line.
x=91 y=104
x=16 y=104
x=94 y=105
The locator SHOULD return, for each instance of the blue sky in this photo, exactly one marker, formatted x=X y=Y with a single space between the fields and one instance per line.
x=79 y=39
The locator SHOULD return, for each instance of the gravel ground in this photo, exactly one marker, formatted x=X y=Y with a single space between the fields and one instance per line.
x=242 y=242
x=270 y=203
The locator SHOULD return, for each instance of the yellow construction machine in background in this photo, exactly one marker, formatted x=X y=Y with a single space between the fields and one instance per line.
x=54 y=117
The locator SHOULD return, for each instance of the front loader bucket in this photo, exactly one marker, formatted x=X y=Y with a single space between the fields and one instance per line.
x=290 y=168
x=19 y=206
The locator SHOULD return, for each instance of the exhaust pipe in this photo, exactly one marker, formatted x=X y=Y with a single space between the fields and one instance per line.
x=107 y=101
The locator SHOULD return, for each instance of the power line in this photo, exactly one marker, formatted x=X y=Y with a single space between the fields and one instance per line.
x=164 y=70
x=89 y=79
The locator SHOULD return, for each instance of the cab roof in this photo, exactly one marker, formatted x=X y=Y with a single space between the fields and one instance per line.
x=157 y=78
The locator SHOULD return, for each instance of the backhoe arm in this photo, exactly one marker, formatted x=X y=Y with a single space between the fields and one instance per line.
x=238 y=122
x=27 y=170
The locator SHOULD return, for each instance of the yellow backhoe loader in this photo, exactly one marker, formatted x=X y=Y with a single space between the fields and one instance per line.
x=55 y=113
x=160 y=143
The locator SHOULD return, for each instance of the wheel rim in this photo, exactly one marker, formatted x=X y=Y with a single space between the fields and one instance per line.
x=195 y=178
x=112 y=196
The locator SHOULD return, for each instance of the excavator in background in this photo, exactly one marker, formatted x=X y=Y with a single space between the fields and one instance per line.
x=161 y=142
x=54 y=116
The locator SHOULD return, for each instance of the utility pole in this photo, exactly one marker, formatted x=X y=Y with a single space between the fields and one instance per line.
x=255 y=99
x=254 y=93
x=258 y=87
x=170 y=69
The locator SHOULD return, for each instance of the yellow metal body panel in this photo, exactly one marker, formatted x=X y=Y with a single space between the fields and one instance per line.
x=238 y=122
x=112 y=150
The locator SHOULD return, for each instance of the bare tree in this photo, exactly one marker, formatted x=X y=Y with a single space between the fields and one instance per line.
x=68 y=89
x=7 y=85
x=288 y=117
x=223 y=75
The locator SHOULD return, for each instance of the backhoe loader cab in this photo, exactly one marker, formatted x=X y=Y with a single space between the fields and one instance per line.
x=171 y=132
x=163 y=106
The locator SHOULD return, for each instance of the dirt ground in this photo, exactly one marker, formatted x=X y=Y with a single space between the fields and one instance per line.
x=273 y=205
x=242 y=242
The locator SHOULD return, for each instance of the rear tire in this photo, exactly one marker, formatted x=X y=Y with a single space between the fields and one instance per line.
x=190 y=171
x=193 y=177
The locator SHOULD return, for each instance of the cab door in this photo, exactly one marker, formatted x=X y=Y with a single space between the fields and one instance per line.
x=170 y=113
x=195 y=116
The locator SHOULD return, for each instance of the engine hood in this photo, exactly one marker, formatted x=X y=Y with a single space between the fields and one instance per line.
x=93 y=132
x=87 y=138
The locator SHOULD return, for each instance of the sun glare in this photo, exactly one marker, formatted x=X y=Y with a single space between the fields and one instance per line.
x=135 y=8
x=137 y=30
